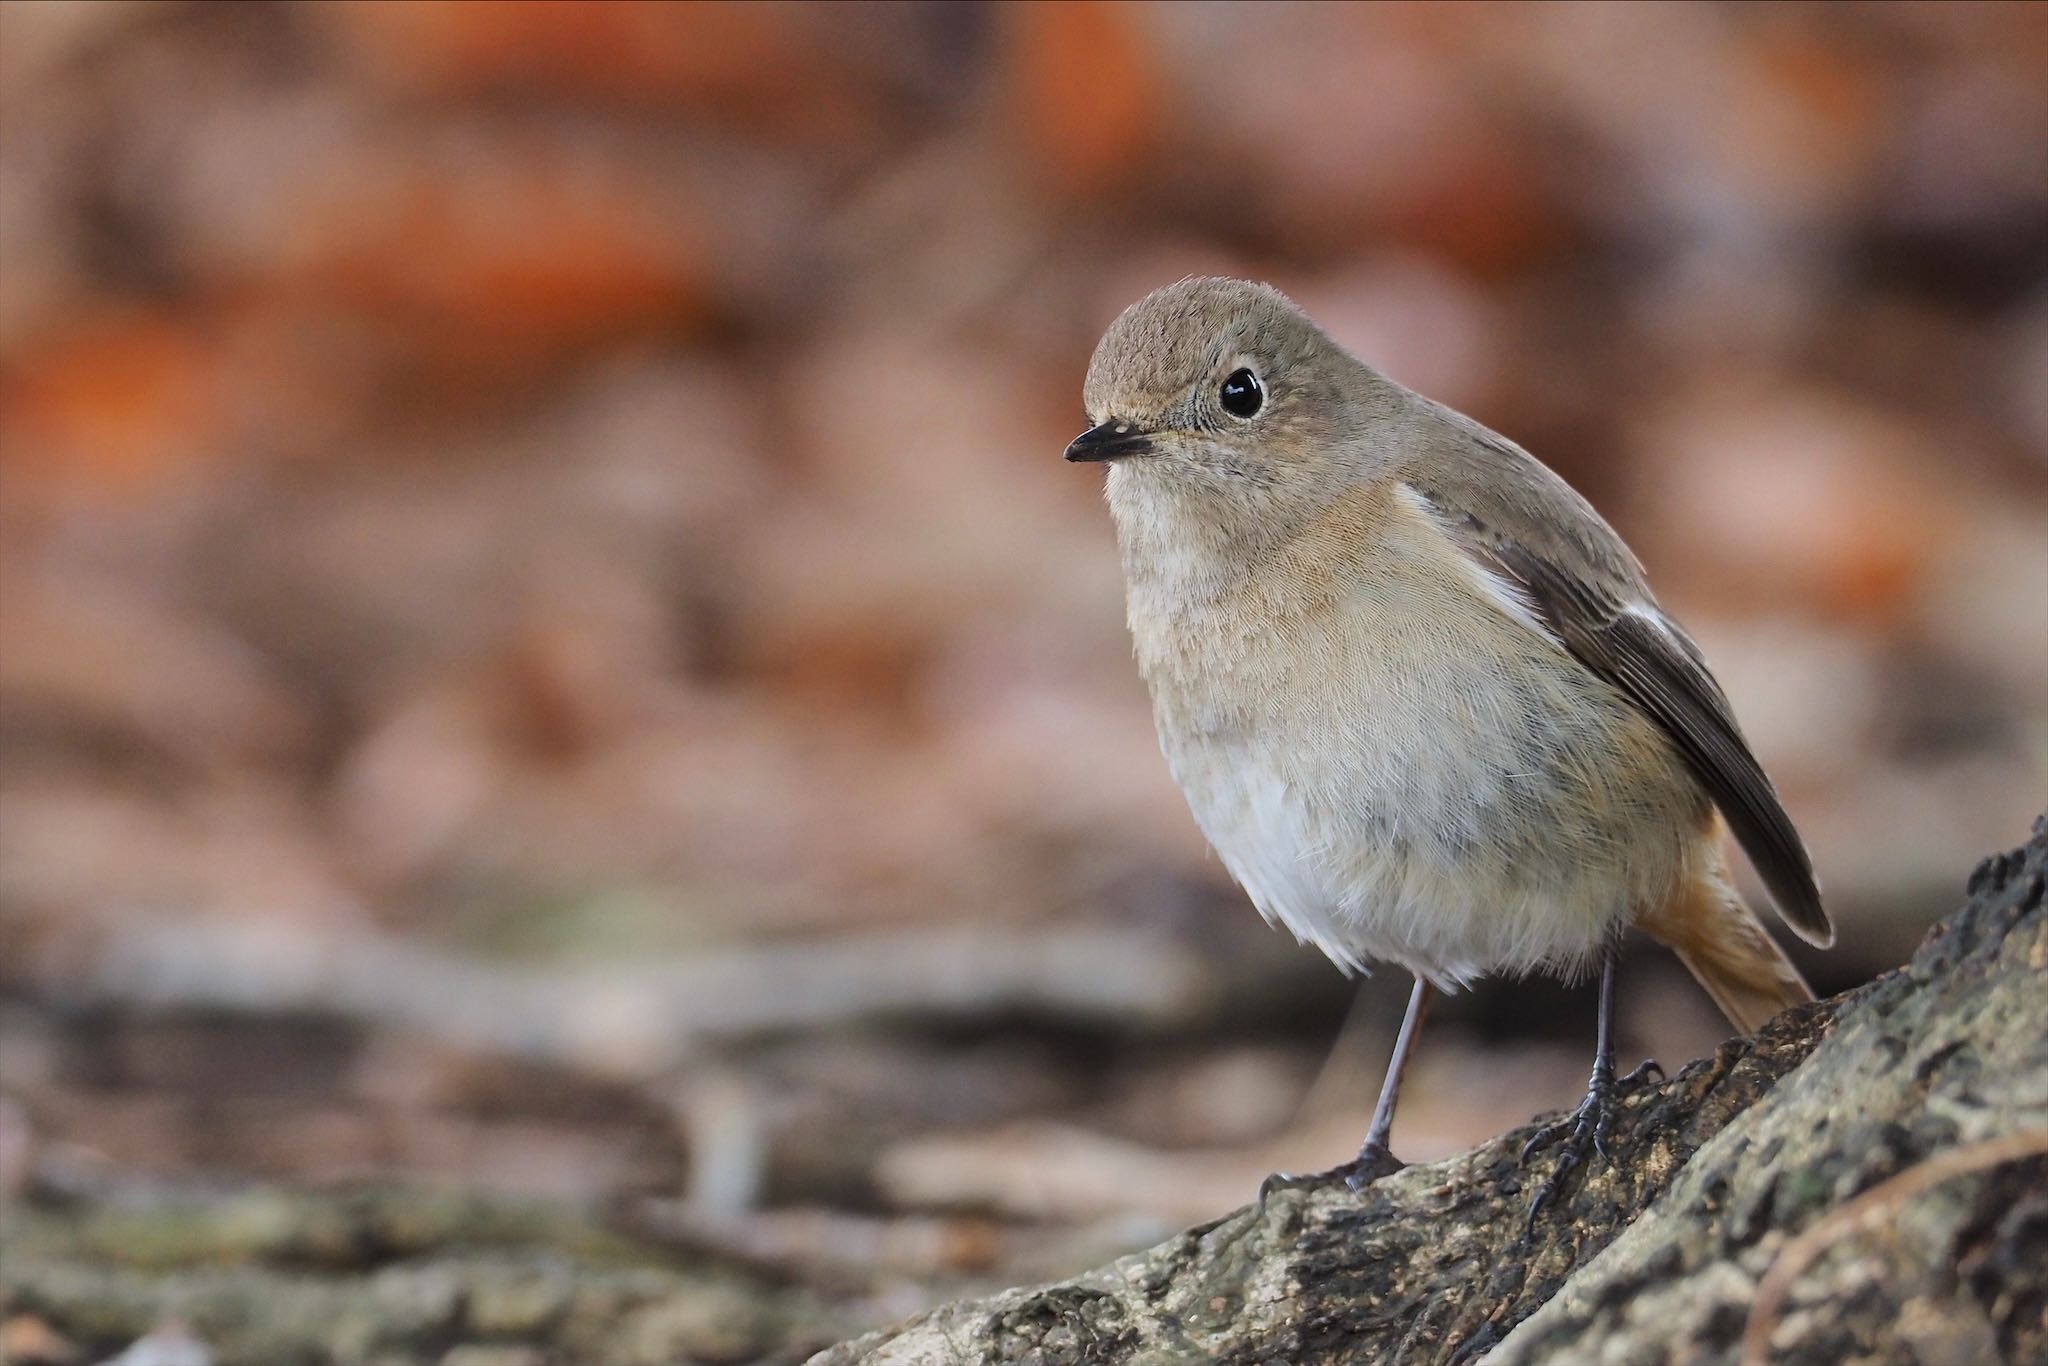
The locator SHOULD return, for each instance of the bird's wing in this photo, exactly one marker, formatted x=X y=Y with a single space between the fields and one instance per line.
x=1526 y=525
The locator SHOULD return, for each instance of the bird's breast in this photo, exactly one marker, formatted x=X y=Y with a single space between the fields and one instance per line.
x=1395 y=767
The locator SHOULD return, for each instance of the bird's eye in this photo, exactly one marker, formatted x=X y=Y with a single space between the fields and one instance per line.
x=1242 y=395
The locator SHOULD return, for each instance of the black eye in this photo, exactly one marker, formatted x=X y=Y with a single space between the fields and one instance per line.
x=1242 y=394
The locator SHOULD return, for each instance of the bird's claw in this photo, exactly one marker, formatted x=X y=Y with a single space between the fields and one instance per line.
x=1585 y=1128
x=1648 y=1070
x=1373 y=1162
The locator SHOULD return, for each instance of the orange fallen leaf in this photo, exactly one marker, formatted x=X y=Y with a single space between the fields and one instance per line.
x=503 y=267
x=117 y=402
x=1087 y=94
x=769 y=68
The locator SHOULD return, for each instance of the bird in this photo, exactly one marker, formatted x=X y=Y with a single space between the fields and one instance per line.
x=1417 y=692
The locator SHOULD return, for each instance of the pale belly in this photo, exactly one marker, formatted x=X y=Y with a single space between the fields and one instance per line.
x=1440 y=818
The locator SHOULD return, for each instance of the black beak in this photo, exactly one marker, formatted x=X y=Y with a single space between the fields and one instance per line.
x=1112 y=440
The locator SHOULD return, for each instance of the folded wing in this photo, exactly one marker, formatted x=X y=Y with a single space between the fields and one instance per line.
x=1521 y=522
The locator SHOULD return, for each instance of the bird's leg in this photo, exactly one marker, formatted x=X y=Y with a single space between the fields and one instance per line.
x=1374 y=1154
x=1585 y=1129
x=1374 y=1159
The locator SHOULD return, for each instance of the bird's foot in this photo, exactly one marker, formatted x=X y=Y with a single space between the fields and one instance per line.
x=1584 y=1131
x=1647 y=1071
x=1373 y=1162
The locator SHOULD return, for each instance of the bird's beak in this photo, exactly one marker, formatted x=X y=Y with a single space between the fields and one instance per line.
x=1112 y=440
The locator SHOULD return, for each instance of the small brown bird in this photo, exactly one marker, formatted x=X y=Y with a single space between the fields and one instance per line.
x=1417 y=692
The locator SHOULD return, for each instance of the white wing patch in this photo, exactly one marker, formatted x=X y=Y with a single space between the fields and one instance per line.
x=1510 y=597
x=1657 y=619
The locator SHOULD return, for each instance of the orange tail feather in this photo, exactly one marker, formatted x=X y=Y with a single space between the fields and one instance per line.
x=1721 y=942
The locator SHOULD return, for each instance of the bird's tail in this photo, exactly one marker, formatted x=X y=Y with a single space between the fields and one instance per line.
x=1721 y=942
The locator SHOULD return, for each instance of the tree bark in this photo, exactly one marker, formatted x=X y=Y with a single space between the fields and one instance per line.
x=1866 y=1179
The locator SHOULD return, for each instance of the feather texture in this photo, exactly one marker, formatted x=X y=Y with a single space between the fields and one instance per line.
x=1592 y=597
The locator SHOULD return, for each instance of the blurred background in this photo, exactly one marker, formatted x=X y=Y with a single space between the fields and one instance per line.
x=547 y=648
